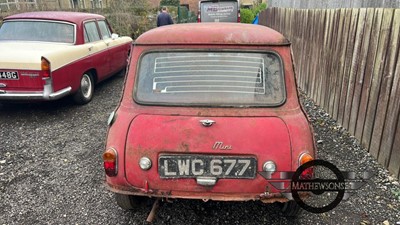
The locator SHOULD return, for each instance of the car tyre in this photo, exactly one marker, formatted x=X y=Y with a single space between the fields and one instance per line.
x=129 y=202
x=290 y=208
x=86 y=88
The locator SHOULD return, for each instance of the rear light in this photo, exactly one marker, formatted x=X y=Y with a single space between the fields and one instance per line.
x=110 y=159
x=198 y=17
x=45 y=67
x=308 y=173
x=304 y=158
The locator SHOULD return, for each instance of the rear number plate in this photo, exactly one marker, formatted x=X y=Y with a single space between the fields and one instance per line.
x=189 y=166
x=9 y=75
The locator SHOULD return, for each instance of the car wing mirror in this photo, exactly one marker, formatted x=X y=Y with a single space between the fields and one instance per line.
x=114 y=36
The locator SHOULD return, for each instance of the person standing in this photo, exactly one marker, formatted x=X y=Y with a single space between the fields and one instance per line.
x=164 y=18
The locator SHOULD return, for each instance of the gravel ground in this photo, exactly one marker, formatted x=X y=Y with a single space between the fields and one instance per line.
x=51 y=172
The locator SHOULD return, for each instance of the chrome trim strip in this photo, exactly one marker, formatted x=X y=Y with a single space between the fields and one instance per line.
x=61 y=93
x=34 y=95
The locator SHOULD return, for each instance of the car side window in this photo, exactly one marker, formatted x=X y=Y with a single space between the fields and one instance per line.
x=91 y=32
x=104 y=29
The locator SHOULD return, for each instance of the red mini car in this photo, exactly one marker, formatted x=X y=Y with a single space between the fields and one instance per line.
x=48 y=55
x=206 y=107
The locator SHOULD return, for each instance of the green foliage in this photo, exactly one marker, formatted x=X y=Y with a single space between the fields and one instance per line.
x=246 y=16
x=169 y=2
x=130 y=17
x=260 y=8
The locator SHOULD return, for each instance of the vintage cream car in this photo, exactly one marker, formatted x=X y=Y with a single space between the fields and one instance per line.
x=48 y=55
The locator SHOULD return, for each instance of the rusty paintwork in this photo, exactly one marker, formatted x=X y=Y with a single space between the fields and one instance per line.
x=278 y=133
x=233 y=34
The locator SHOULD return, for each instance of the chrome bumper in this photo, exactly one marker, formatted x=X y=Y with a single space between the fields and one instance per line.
x=34 y=95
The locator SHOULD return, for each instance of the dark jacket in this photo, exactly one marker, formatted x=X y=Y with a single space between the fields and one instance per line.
x=164 y=19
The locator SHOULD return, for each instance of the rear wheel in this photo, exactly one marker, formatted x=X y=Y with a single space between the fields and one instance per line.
x=289 y=208
x=85 y=92
x=129 y=202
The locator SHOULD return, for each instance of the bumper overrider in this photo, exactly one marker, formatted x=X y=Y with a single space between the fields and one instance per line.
x=46 y=94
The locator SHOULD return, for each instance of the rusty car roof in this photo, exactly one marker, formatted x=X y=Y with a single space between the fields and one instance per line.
x=73 y=17
x=212 y=33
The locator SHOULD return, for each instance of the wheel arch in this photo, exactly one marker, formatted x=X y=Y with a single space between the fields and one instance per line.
x=93 y=72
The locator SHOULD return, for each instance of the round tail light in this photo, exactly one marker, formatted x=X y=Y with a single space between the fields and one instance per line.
x=110 y=159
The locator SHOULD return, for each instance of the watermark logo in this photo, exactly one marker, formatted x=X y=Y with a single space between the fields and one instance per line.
x=317 y=186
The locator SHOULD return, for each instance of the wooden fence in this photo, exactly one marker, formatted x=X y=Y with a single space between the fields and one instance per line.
x=348 y=61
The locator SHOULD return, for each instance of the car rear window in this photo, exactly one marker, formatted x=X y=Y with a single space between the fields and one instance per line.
x=237 y=79
x=219 y=11
x=38 y=31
